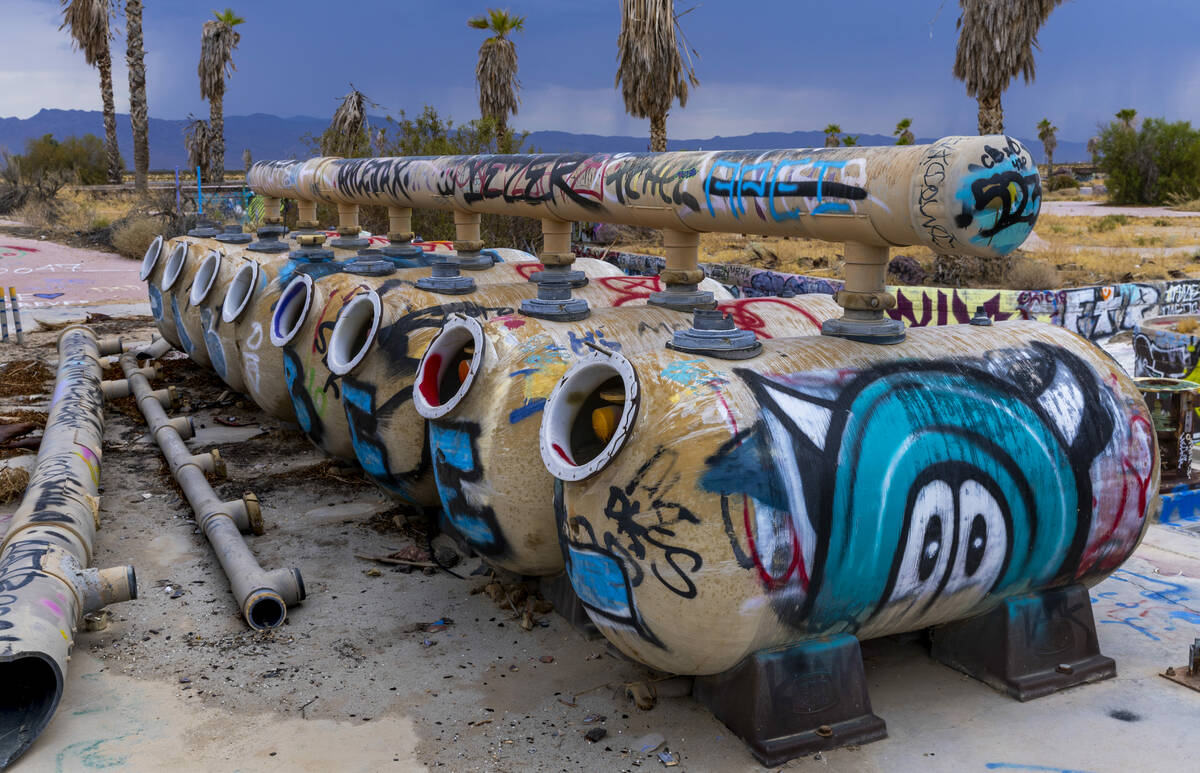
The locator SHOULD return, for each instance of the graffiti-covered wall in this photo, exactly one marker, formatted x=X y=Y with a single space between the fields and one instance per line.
x=1095 y=312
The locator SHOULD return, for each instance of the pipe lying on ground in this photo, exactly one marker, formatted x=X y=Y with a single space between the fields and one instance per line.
x=263 y=597
x=45 y=587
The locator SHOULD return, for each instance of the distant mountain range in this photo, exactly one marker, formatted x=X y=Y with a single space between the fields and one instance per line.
x=273 y=137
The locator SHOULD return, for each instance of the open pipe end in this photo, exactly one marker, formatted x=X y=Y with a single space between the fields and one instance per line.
x=151 y=258
x=291 y=310
x=206 y=277
x=174 y=268
x=33 y=685
x=241 y=289
x=449 y=367
x=264 y=609
x=354 y=332
x=589 y=416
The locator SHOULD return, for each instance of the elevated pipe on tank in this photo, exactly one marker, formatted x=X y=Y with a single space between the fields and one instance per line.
x=263 y=597
x=961 y=195
x=45 y=585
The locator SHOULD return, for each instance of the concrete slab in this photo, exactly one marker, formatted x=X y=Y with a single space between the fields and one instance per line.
x=1099 y=209
x=48 y=274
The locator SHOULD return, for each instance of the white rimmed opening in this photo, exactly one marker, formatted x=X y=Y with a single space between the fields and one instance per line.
x=449 y=367
x=589 y=416
x=241 y=290
x=291 y=310
x=354 y=332
x=175 y=263
x=206 y=277
x=151 y=258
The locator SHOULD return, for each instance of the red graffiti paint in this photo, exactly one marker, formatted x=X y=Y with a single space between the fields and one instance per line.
x=744 y=317
x=528 y=269
x=429 y=378
x=629 y=288
x=565 y=456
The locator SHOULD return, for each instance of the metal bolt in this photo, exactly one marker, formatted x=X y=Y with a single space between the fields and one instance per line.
x=825 y=731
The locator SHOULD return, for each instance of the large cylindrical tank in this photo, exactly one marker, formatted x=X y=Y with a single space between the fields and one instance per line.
x=829 y=486
x=483 y=386
x=379 y=341
x=161 y=269
x=309 y=306
x=199 y=308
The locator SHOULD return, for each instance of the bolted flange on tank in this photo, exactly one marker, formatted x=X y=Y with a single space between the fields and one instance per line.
x=268 y=239
x=233 y=234
x=713 y=334
x=445 y=278
x=205 y=229
x=554 y=302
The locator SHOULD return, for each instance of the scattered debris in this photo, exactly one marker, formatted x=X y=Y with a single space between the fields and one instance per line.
x=668 y=759
x=396 y=561
x=593 y=718
x=595 y=734
x=372 y=572
x=546 y=658
x=233 y=421
x=648 y=743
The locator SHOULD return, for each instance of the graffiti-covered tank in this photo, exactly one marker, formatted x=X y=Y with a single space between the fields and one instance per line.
x=379 y=341
x=829 y=486
x=483 y=387
x=304 y=319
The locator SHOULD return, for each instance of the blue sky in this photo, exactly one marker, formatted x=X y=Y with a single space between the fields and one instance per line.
x=765 y=65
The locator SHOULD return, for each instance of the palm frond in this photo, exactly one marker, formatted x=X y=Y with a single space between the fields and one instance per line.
x=996 y=42
x=218 y=39
x=651 y=51
x=88 y=23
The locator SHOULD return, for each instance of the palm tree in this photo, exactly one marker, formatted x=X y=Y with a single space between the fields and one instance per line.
x=831 y=135
x=996 y=40
x=87 y=21
x=218 y=38
x=850 y=140
x=903 y=133
x=651 y=71
x=198 y=141
x=1093 y=148
x=349 y=133
x=1046 y=132
x=1127 y=117
x=247 y=160
x=138 y=119
x=496 y=72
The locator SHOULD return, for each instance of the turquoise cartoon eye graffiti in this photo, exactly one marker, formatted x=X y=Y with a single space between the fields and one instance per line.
x=909 y=494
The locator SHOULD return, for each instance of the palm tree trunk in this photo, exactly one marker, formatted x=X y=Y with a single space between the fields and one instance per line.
x=216 y=148
x=658 y=132
x=104 y=65
x=138 y=119
x=991 y=115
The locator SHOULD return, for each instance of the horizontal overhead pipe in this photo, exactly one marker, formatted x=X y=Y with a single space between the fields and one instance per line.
x=263 y=597
x=966 y=195
x=45 y=585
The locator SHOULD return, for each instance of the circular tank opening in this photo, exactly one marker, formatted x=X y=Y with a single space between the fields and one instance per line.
x=354 y=333
x=175 y=263
x=589 y=415
x=448 y=368
x=151 y=258
x=241 y=288
x=291 y=310
x=206 y=277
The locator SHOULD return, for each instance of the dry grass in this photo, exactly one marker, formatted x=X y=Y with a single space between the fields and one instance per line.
x=24 y=377
x=132 y=236
x=13 y=481
x=1032 y=274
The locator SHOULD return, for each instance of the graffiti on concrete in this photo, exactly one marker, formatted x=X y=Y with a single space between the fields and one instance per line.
x=1000 y=196
x=1099 y=312
x=1021 y=470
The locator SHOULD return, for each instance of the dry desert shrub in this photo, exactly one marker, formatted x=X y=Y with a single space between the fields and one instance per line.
x=133 y=235
x=1031 y=274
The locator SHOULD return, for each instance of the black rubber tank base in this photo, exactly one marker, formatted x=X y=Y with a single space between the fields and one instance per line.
x=795 y=700
x=1030 y=646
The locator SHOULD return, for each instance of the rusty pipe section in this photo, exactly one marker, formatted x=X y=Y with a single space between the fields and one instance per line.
x=966 y=195
x=45 y=585
x=263 y=596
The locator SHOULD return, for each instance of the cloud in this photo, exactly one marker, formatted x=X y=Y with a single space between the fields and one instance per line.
x=39 y=68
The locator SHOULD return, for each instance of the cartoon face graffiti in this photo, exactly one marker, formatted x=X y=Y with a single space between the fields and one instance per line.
x=913 y=492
